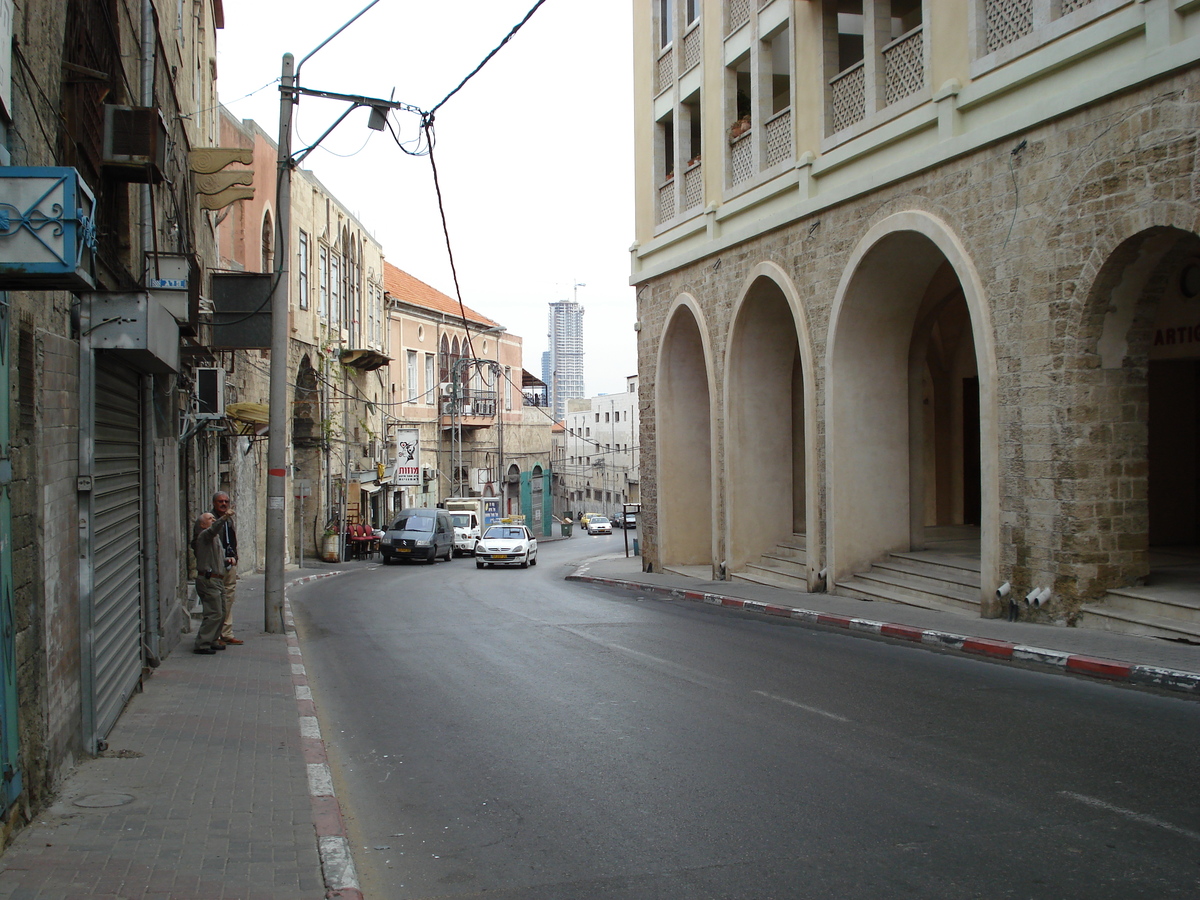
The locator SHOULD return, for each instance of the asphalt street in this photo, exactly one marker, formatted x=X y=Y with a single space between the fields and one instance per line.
x=504 y=733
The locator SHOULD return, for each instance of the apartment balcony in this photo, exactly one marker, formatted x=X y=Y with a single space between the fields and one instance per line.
x=478 y=409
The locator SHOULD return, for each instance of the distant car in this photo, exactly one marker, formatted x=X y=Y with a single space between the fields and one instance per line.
x=583 y=518
x=618 y=521
x=629 y=520
x=506 y=545
x=418 y=534
x=599 y=525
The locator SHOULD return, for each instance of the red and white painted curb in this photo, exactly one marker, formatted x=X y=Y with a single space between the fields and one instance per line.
x=1107 y=669
x=337 y=863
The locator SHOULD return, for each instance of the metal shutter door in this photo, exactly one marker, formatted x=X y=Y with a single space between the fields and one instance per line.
x=116 y=543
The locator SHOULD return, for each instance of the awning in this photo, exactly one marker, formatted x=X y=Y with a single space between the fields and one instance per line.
x=366 y=360
x=251 y=418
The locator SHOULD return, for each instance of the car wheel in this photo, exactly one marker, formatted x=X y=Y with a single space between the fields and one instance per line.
x=525 y=562
x=387 y=559
x=533 y=562
x=479 y=563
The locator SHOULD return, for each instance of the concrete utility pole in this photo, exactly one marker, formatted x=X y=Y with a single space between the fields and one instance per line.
x=277 y=472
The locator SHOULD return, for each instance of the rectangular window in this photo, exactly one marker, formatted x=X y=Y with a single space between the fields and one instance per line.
x=664 y=22
x=413 y=391
x=693 y=11
x=335 y=297
x=323 y=282
x=302 y=269
x=429 y=379
x=508 y=387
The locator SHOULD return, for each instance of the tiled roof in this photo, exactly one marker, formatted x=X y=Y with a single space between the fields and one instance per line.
x=404 y=287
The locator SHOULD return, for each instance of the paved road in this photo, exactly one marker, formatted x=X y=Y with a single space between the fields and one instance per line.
x=505 y=734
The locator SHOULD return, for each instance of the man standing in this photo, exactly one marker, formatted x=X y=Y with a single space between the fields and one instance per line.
x=229 y=540
x=210 y=580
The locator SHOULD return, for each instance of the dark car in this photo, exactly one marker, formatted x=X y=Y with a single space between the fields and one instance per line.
x=629 y=520
x=418 y=534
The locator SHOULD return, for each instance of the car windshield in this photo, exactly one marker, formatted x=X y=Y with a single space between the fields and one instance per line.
x=503 y=533
x=462 y=520
x=414 y=522
x=599 y=520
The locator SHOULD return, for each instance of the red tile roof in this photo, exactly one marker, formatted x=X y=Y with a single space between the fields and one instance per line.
x=404 y=287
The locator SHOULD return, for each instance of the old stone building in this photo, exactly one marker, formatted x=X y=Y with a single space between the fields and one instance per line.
x=917 y=288
x=106 y=113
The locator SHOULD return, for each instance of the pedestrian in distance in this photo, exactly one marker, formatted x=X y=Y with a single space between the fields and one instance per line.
x=229 y=541
x=210 y=580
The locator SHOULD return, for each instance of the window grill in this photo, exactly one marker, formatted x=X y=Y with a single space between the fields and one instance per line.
x=849 y=97
x=904 y=66
x=1006 y=21
x=666 y=202
x=693 y=49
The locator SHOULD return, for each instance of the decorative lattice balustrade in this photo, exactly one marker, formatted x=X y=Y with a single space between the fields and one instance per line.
x=666 y=202
x=849 y=97
x=741 y=153
x=693 y=187
x=1069 y=6
x=664 y=73
x=779 y=138
x=1007 y=20
x=739 y=14
x=904 y=66
x=693 y=49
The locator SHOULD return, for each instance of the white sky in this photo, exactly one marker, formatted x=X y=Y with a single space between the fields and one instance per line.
x=534 y=154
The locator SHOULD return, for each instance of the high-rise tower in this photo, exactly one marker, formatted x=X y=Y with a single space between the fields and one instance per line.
x=562 y=363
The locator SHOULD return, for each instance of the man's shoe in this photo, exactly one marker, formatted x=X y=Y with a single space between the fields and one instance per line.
x=233 y=640
x=207 y=651
x=218 y=646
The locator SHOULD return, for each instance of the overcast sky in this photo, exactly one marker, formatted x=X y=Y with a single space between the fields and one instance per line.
x=534 y=154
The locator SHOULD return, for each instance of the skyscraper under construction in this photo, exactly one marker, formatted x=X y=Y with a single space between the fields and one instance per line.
x=562 y=363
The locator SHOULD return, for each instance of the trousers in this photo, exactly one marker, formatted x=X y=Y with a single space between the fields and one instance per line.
x=211 y=591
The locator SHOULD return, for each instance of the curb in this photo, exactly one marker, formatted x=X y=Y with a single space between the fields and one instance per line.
x=333 y=846
x=1051 y=660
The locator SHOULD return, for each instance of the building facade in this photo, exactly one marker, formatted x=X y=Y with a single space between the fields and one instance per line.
x=458 y=422
x=110 y=141
x=600 y=456
x=914 y=283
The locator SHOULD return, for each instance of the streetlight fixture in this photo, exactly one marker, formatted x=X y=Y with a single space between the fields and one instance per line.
x=290 y=91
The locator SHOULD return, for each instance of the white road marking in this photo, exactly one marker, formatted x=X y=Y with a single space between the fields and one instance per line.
x=1130 y=814
x=811 y=709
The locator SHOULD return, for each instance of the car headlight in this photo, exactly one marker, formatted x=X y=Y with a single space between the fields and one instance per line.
x=423 y=543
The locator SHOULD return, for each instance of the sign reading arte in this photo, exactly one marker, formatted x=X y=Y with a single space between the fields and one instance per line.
x=408 y=457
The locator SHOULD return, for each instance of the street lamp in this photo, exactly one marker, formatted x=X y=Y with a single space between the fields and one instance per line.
x=290 y=90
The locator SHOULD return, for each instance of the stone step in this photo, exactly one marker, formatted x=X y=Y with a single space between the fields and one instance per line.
x=942 y=566
x=877 y=589
x=930 y=579
x=1172 y=603
x=769 y=577
x=1102 y=616
x=786 y=556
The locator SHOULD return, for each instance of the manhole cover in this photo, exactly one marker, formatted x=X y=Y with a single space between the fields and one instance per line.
x=102 y=801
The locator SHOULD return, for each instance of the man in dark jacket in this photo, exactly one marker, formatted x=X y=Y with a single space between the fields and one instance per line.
x=210 y=576
x=229 y=540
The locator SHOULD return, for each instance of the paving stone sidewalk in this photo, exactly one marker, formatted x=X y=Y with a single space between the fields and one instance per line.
x=202 y=794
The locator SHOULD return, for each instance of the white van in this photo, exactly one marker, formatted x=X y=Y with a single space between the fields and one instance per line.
x=466 y=530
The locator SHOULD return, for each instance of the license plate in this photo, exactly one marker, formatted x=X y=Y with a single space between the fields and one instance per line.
x=499 y=556
x=403 y=550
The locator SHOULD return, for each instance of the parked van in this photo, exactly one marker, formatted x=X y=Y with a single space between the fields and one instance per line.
x=418 y=534
x=470 y=515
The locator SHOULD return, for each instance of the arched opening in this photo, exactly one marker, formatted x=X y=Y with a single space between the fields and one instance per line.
x=537 y=500
x=684 y=459
x=511 y=490
x=765 y=456
x=910 y=442
x=1147 y=397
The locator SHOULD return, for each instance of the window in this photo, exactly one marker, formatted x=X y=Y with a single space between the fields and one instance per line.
x=664 y=22
x=508 y=387
x=302 y=269
x=606 y=417
x=693 y=11
x=413 y=387
x=335 y=297
x=323 y=281
x=268 y=236
x=429 y=382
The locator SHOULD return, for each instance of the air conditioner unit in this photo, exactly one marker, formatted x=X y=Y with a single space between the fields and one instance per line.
x=210 y=393
x=135 y=143
x=428 y=474
x=448 y=389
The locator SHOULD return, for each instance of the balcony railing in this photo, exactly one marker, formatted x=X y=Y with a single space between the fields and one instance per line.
x=779 y=138
x=1006 y=21
x=849 y=96
x=904 y=66
x=741 y=153
x=739 y=14
x=693 y=48
x=666 y=201
x=664 y=72
x=693 y=187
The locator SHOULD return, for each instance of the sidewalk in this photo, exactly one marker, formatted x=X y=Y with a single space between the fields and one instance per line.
x=1131 y=659
x=214 y=785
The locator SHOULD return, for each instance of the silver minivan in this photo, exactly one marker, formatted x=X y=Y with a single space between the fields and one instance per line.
x=419 y=533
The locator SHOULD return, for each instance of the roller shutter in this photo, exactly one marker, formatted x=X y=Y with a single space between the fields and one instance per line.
x=116 y=613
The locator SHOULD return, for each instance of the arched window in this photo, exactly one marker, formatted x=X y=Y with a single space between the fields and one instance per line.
x=444 y=362
x=268 y=239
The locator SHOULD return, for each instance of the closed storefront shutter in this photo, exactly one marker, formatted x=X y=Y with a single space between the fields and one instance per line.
x=116 y=613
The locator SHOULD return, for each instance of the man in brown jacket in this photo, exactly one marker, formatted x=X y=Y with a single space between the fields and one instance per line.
x=210 y=580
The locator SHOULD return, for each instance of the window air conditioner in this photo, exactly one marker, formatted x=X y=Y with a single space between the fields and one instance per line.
x=447 y=388
x=210 y=393
x=135 y=143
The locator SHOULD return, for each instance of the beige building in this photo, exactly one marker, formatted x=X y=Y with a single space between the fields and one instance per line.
x=456 y=392
x=916 y=298
x=600 y=464
x=336 y=358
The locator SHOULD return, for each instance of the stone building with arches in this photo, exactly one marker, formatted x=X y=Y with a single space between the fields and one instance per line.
x=918 y=301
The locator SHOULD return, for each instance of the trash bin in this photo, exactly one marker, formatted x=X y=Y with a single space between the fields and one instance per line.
x=635 y=547
x=566 y=529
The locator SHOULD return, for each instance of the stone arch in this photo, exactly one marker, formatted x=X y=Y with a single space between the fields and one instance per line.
x=683 y=407
x=887 y=308
x=770 y=494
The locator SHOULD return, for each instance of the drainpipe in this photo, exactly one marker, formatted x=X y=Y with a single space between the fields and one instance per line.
x=149 y=476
